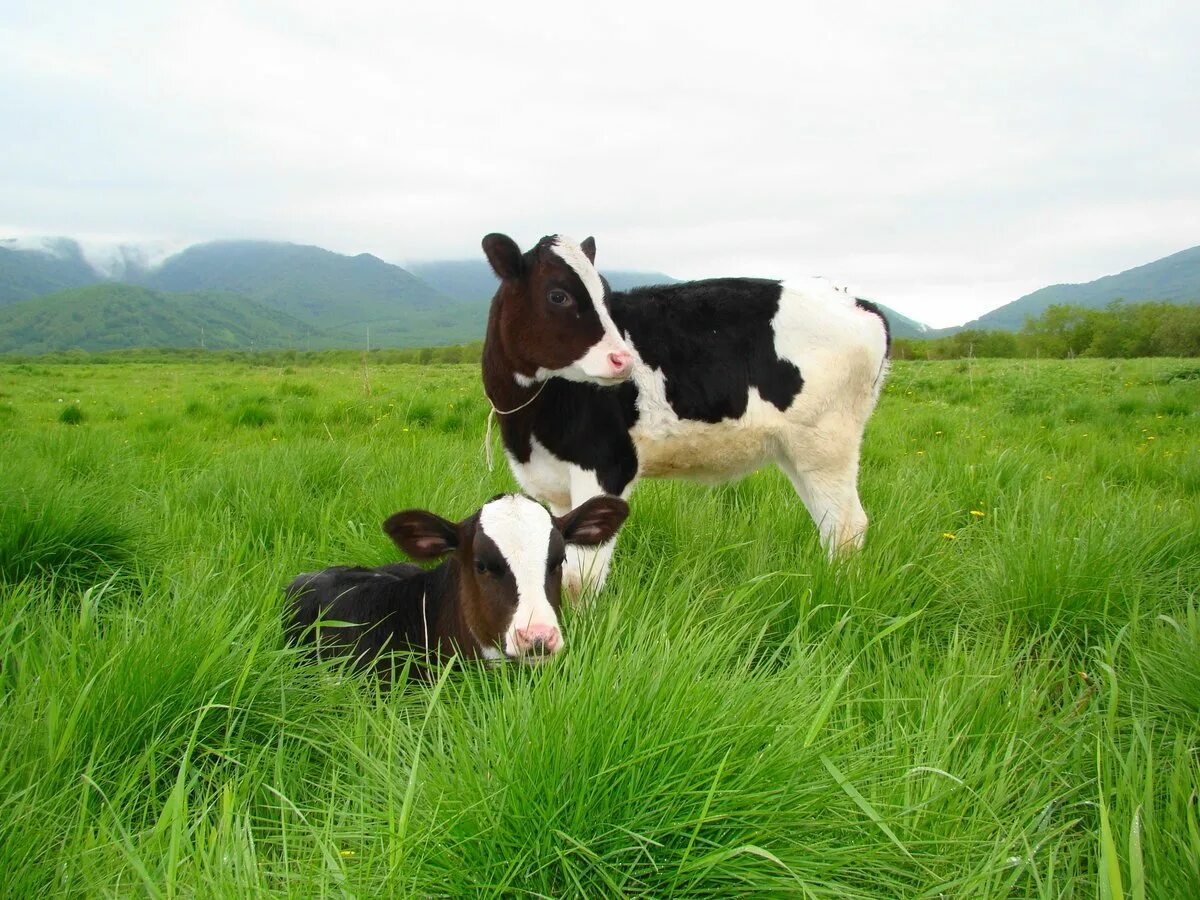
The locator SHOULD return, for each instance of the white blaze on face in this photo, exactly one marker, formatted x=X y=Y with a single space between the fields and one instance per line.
x=520 y=529
x=594 y=364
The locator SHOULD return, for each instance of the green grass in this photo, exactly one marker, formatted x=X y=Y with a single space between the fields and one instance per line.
x=999 y=697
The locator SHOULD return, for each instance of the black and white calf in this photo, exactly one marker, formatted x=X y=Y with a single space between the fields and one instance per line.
x=497 y=595
x=705 y=380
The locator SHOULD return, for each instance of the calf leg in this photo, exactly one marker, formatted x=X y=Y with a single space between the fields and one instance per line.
x=586 y=568
x=830 y=493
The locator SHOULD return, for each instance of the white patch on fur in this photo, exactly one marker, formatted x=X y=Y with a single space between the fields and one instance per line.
x=490 y=653
x=593 y=366
x=520 y=529
x=544 y=476
x=587 y=567
x=572 y=254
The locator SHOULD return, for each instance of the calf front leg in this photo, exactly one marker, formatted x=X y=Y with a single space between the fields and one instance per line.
x=586 y=568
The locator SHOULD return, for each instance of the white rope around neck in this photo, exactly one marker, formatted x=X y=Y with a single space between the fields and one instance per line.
x=493 y=412
x=425 y=626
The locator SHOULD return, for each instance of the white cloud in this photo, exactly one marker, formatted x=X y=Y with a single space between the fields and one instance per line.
x=945 y=157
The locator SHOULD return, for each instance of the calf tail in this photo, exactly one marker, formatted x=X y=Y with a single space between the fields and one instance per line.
x=868 y=306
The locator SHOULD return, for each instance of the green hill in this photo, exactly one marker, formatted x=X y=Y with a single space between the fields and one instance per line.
x=26 y=273
x=325 y=290
x=116 y=316
x=1174 y=278
x=294 y=295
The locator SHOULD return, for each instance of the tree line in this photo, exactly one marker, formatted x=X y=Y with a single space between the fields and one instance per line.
x=427 y=356
x=1063 y=331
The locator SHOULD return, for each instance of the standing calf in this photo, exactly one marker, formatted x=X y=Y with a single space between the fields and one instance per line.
x=496 y=596
x=706 y=380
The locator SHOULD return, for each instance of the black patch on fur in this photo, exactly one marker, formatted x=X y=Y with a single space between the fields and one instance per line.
x=494 y=562
x=870 y=307
x=584 y=423
x=713 y=340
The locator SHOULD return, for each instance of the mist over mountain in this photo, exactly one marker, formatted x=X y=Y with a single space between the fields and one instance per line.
x=32 y=269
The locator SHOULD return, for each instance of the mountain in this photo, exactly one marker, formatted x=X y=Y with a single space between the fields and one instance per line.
x=1175 y=278
x=473 y=281
x=325 y=299
x=347 y=301
x=326 y=290
x=114 y=316
x=902 y=326
x=32 y=268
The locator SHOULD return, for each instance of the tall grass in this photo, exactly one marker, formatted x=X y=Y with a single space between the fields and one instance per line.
x=998 y=697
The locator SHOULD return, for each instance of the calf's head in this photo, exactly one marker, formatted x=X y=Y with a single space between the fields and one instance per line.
x=552 y=316
x=510 y=556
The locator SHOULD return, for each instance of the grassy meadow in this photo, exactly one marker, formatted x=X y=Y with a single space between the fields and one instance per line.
x=999 y=697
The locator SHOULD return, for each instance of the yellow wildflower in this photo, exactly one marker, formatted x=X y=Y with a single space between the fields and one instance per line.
x=978 y=513
x=949 y=536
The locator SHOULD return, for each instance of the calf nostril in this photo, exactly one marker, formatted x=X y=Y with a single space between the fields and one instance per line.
x=619 y=361
x=538 y=640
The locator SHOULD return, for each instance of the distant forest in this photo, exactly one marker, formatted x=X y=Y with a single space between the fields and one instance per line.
x=1063 y=331
x=425 y=356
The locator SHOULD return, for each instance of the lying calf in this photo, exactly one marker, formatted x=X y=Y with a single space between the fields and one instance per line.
x=497 y=596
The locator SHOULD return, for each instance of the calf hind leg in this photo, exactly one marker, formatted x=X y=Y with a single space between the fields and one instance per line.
x=830 y=494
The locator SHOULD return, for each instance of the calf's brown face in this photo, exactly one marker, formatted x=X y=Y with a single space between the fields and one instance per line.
x=553 y=317
x=510 y=557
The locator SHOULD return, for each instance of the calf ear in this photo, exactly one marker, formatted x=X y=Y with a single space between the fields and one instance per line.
x=589 y=249
x=593 y=521
x=504 y=255
x=421 y=534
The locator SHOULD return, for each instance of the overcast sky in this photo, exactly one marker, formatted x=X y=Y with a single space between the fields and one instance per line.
x=941 y=157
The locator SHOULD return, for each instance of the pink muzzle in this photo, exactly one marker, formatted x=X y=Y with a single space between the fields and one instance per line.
x=538 y=640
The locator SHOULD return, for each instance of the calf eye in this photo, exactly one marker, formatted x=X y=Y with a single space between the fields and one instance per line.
x=495 y=569
x=560 y=298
